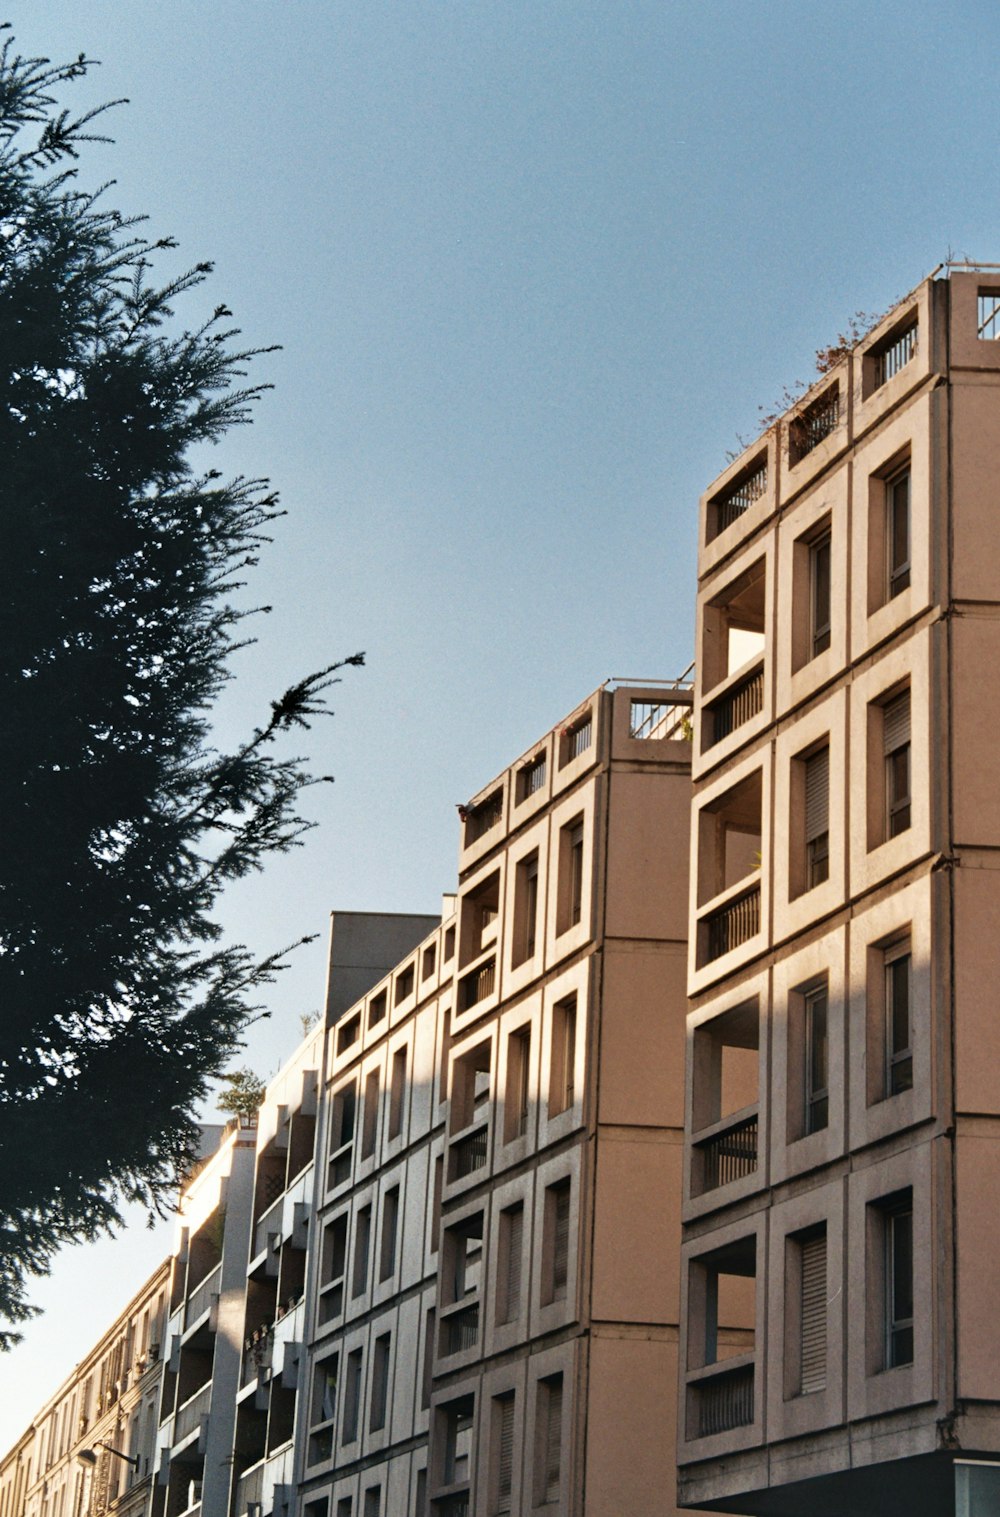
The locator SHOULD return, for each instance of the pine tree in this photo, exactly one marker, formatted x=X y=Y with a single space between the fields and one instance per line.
x=121 y=823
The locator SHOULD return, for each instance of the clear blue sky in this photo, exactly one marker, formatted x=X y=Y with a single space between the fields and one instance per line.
x=534 y=266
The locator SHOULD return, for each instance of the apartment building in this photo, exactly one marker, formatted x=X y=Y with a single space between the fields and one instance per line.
x=841 y=1169
x=500 y=1112
x=89 y=1451
x=554 y=1337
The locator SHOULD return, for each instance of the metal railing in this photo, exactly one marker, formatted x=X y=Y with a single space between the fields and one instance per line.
x=988 y=324
x=189 y=1415
x=656 y=720
x=258 y=1350
x=462 y=1329
x=811 y=426
x=578 y=739
x=270 y=1222
x=249 y=1489
x=483 y=818
x=531 y=778
x=738 y=705
x=729 y=1155
x=200 y=1298
x=731 y=507
x=895 y=355
x=734 y=923
x=478 y=985
x=469 y=1153
x=725 y=1401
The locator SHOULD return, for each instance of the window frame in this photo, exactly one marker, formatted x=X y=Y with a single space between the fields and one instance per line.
x=898 y=1056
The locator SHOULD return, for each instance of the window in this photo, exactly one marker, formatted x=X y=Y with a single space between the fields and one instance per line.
x=897 y=1236
x=362 y=1245
x=344 y=1506
x=348 y=1032
x=898 y=1020
x=819 y=593
x=428 y=962
x=458 y=1416
x=352 y=1396
x=896 y=747
x=509 y=1274
x=427 y=1377
x=377 y=1008
x=333 y=1265
x=817 y=817
x=897 y=529
x=555 y=1248
x=503 y=1454
x=569 y=904
x=380 y=1382
x=518 y=1084
x=322 y=1410
x=526 y=908
x=405 y=981
x=562 y=1066
x=370 y=1125
x=449 y=944
x=812 y=1311
x=548 y=1444
x=390 y=1227
x=373 y=1501
x=817 y=1051
x=397 y=1091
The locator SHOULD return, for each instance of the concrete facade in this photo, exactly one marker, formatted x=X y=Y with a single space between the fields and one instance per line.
x=841 y=1167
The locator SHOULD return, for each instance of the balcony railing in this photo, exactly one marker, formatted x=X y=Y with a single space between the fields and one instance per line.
x=200 y=1298
x=249 y=1490
x=469 y=1153
x=478 y=985
x=189 y=1415
x=270 y=1222
x=895 y=355
x=737 y=706
x=258 y=1350
x=807 y=430
x=453 y=1506
x=730 y=1154
x=725 y=1400
x=732 y=506
x=735 y=923
x=462 y=1330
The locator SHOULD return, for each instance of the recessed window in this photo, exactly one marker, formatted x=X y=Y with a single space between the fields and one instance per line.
x=509 y=1256
x=405 y=981
x=898 y=1019
x=362 y=1248
x=525 y=908
x=548 y=1446
x=428 y=962
x=369 y=1127
x=569 y=904
x=817 y=1061
x=348 y=1032
x=352 y=1396
x=555 y=1243
x=377 y=1008
x=896 y=747
x=819 y=593
x=380 y=1383
x=397 y=1092
x=502 y=1454
x=816 y=780
x=897 y=1275
x=897 y=531
x=390 y=1229
x=562 y=1062
x=517 y=1094
x=808 y=1272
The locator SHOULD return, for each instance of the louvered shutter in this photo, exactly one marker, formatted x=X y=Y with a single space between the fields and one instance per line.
x=813 y=1353
x=515 y=1239
x=505 y=1460
x=896 y=723
x=817 y=794
x=560 y=1244
x=553 y=1438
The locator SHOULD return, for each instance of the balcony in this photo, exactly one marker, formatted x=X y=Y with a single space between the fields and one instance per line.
x=738 y=704
x=200 y=1299
x=727 y=507
x=189 y=1416
x=258 y=1353
x=479 y=984
x=724 y=1398
x=249 y=1490
x=453 y=1506
x=727 y=1153
x=269 y=1223
x=733 y=923
x=469 y=1153
x=461 y=1330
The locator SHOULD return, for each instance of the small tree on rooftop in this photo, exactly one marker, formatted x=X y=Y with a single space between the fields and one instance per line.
x=243 y=1095
x=122 y=823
